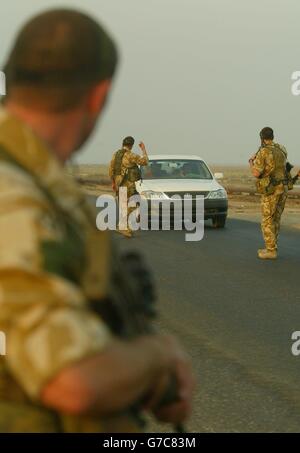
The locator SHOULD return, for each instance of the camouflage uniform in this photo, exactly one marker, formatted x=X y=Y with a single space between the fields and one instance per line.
x=130 y=160
x=272 y=205
x=53 y=264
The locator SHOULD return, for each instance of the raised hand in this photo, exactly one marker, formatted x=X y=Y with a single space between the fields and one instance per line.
x=142 y=146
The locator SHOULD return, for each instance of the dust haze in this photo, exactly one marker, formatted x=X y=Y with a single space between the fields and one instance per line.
x=196 y=76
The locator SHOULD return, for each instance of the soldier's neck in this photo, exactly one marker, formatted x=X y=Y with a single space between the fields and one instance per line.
x=60 y=131
x=268 y=142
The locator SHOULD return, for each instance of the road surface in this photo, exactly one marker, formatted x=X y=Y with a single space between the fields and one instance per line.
x=236 y=315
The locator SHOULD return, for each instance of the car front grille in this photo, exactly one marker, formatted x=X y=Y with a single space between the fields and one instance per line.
x=192 y=193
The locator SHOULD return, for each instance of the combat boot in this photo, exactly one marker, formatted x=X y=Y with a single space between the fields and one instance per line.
x=265 y=254
x=126 y=233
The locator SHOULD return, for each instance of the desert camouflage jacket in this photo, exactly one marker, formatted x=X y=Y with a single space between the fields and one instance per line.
x=264 y=161
x=267 y=163
x=129 y=160
x=53 y=261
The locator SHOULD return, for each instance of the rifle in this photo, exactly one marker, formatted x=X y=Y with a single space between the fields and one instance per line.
x=289 y=168
x=130 y=309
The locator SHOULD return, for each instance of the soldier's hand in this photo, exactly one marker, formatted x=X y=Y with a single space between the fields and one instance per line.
x=180 y=410
x=181 y=371
x=142 y=146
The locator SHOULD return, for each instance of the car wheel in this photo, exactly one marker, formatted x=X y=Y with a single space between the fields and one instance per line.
x=219 y=221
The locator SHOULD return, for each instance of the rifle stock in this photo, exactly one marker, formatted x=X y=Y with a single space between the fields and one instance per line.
x=130 y=310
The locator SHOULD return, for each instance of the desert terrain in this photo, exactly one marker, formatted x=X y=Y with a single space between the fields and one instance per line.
x=244 y=202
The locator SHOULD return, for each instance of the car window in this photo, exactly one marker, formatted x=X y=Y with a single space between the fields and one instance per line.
x=176 y=169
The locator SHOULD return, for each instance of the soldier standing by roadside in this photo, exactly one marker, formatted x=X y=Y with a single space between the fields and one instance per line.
x=124 y=172
x=66 y=369
x=268 y=165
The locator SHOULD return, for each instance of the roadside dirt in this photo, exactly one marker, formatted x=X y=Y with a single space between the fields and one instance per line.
x=244 y=202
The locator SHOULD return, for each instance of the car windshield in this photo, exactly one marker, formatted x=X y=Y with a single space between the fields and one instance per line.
x=176 y=169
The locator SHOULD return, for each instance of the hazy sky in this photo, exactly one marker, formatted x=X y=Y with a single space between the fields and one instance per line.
x=196 y=77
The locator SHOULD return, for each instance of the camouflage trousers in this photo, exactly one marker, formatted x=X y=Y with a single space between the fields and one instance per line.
x=272 y=209
x=125 y=211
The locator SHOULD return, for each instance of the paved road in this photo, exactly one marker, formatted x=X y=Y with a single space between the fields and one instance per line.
x=236 y=315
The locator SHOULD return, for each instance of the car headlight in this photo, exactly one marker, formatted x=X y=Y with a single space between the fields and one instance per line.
x=218 y=194
x=150 y=194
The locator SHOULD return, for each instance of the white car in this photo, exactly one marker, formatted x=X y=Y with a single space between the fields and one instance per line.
x=168 y=175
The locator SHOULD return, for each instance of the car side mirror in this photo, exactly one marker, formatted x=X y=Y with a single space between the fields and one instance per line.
x=218 y=175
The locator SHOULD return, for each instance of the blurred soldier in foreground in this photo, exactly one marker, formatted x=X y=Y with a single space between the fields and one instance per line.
x=269 y=166
x=65 y=370
x=124 y=172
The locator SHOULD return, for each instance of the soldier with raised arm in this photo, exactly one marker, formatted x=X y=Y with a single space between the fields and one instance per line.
x=124 y=172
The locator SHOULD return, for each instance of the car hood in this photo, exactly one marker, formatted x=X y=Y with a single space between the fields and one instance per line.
x=173 y=185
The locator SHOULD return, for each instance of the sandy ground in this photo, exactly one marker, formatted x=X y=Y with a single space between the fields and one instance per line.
x=248 y=208
x=244 y=203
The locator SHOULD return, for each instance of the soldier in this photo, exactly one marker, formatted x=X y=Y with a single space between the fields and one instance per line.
x=124 y=172
x=269 y=166
x=65 y=369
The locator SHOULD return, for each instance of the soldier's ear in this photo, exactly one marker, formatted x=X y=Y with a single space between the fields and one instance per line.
x=98 y=96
